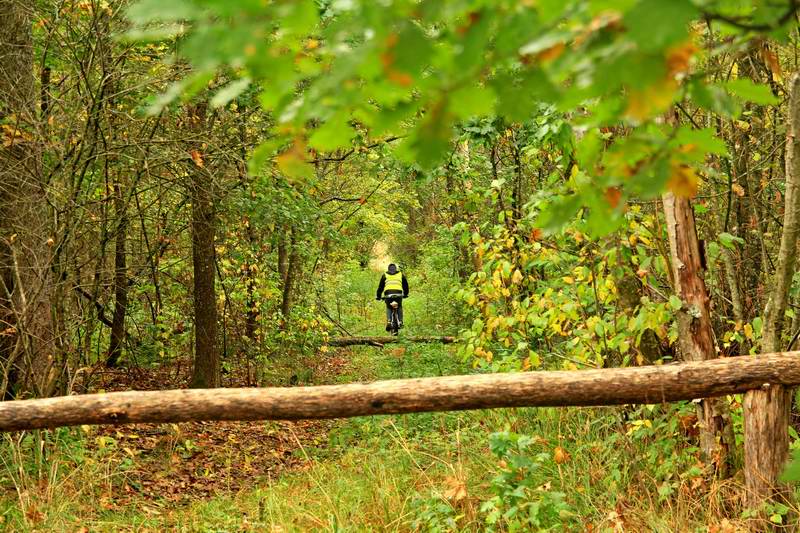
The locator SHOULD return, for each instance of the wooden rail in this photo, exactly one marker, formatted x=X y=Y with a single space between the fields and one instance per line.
x=648 y=384
x=378 y=341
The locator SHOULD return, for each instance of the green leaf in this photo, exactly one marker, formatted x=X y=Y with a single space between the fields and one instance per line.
x=298 y=17
x=147 y=11
x=656 y=24
x=704 y=139
x=729 y=241
x=747 y=90
x=263 y=153
x=429 y=142
x=588 y=149
x=713 y=98
x=334 y=133
x=412 y=52
x=602 y=218
x=229 y=92
x=472 y=101
x=792 y=471
x=558 y=212
x=180 y=90
x=675 y=303
x=519 y=96
x=544 y=42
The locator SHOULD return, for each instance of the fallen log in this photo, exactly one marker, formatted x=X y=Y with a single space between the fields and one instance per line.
x=379 y=341
x=647 y=384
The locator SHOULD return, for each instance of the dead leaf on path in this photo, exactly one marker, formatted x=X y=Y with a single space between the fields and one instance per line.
x=399 y=352
x=560 y=455
x=456 y=489
x=724 y=527
x=197 y=158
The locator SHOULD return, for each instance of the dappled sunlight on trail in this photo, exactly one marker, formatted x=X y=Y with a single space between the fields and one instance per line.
x=380 y=257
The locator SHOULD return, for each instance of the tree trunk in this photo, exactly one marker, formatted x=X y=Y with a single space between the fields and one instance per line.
x=283 y=257
x=612 y=386
x=27 y=336
x=766 y=410
x=353 y=341
x=696 y=337
x=291 y=276
x=120 y=280
x=207 y=362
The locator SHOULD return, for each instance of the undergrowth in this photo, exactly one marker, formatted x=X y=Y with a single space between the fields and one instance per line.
x=606 y=469
x=569 y=469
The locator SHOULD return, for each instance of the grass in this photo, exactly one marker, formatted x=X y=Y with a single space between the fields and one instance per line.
x=617 y=470
x=425 y=471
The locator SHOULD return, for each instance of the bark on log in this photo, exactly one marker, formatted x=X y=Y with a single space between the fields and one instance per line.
x=647 y=384
x=372 y=341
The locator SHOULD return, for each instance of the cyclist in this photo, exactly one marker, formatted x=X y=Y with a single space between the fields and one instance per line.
x=393 y=282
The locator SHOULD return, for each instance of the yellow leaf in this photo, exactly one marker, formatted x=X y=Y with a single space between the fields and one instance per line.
x=683 y=180
x=748 y=331
x=772 y=62
x=516 y=279
x=568 y=280
x=197 y=158
x=679 y=57
x=737 y=189
x=652 y=100
x=293 y=162
x=560 y=456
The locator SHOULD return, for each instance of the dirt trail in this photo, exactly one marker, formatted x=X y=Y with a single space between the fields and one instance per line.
x=177 y=463
x=380 y=257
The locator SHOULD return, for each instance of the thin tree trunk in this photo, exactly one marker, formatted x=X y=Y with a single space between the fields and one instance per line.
x=207 y=363
x=120 y=280
x=283 y=258
x=696 y=337
x=291 y=276
x=766 y=410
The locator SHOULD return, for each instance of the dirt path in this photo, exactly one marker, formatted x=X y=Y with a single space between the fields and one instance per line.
x=380 y=257
x=169 y=464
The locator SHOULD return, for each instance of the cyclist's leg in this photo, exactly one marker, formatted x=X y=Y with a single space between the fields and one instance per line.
x=400 y=313
x=388 y=315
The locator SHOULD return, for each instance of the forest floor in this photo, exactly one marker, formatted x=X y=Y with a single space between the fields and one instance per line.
x=152 y=469
x=586 y=469
x=179 y=463
x=426 y=471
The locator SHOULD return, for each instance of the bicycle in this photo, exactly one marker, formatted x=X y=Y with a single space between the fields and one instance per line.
x=394 y=303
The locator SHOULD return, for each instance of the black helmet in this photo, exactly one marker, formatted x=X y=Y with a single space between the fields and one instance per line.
x=392 y=269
